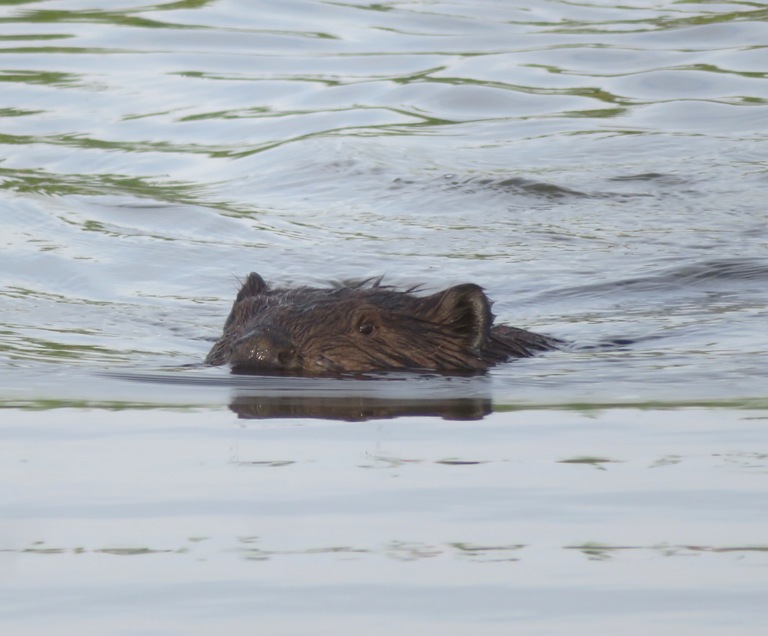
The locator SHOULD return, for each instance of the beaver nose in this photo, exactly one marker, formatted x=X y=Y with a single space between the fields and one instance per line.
x=258 y=350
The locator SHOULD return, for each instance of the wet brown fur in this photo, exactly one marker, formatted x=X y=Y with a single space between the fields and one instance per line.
x=366 y=327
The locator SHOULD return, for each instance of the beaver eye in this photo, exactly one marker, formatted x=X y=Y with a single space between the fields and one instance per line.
x=366 y=327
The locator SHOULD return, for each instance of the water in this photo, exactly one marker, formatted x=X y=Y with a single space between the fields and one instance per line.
x=599 y=169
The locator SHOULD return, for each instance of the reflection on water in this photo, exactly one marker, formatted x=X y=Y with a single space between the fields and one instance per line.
x=247 y=548
x=150 y=502
x=357 y=409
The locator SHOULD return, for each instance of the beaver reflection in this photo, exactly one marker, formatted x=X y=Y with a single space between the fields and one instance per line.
x=366 y=327
x=357 y=409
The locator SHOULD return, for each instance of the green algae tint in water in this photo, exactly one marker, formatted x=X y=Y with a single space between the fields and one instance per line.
x=599 y=169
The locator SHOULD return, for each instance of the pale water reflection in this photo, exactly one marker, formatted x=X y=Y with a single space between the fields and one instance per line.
x=647 y=517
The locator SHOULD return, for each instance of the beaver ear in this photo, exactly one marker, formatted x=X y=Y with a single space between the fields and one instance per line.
x=467 y=310
x=253 y=286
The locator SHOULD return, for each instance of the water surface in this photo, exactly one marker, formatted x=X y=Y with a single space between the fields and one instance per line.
x=599 y=169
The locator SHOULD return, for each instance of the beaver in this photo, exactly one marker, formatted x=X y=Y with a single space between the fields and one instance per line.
x=366 y=327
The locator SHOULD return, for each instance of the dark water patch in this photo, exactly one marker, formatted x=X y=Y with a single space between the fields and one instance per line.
x=603 y=552
x=670 y=179
x=704 y=276
x=594 y=462
x=511 y=185
x=514 y=185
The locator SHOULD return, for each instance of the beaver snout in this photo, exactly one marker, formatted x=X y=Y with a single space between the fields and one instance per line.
x=258 y=351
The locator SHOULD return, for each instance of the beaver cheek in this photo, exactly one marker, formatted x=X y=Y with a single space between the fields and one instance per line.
x=325 y=364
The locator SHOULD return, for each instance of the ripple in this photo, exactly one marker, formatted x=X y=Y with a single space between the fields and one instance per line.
x=712 y=274
x=572 y=158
